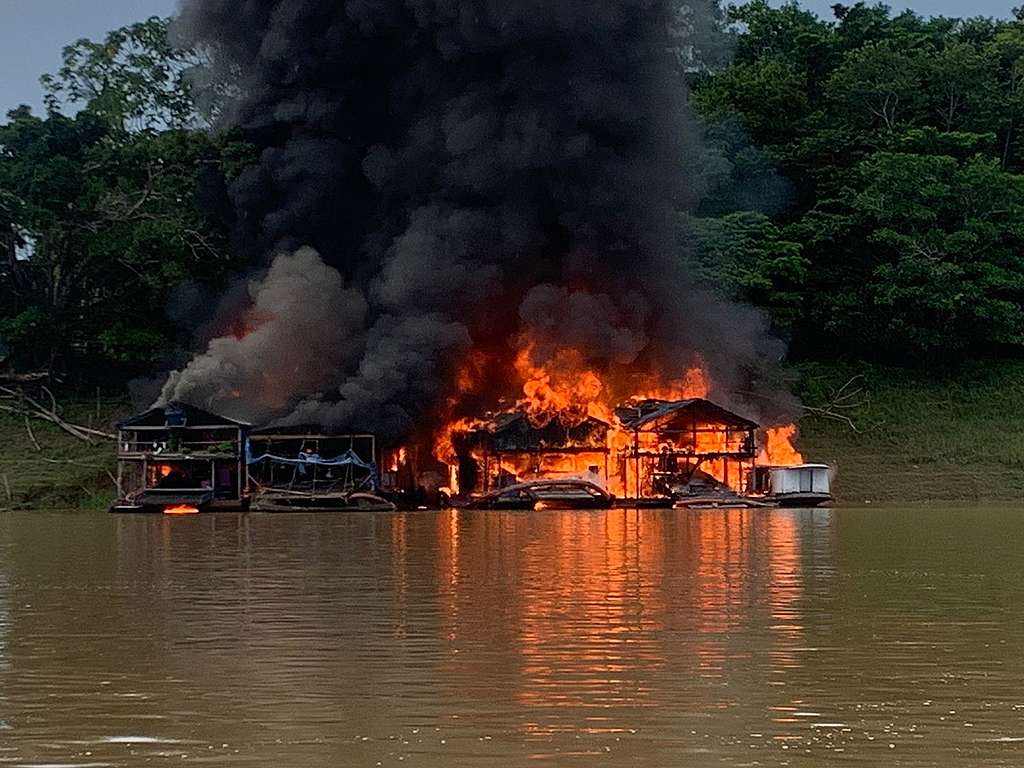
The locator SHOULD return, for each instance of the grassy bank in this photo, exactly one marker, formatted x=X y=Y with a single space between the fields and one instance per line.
x=56 y=470
x=925 y=436
x=915 y=437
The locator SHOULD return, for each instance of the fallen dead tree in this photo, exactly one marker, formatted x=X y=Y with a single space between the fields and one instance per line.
x=842 y=404
x=15 y=401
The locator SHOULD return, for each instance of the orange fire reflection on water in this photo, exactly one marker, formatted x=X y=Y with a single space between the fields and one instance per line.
x=627 y=597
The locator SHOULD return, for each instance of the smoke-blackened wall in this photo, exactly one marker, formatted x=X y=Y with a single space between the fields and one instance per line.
x=479 y=172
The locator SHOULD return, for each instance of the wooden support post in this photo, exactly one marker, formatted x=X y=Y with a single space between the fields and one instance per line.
x=243 y=466
x=487 y=470
x=636 y=456
x=7 y=490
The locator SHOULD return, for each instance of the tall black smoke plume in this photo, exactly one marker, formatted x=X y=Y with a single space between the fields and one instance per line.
x=475 y=170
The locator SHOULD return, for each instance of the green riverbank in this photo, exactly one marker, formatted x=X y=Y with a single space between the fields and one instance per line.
x=50 y=469
x=911 y=438
x=940 y=436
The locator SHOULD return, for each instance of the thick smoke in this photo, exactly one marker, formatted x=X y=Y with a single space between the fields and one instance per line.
x=283 y=343
x=554 y=317
x=474 y=169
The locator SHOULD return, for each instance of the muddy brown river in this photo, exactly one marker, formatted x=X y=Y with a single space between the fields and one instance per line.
x=618 y=638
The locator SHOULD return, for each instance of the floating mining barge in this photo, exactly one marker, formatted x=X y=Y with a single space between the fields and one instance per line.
x=179 y=459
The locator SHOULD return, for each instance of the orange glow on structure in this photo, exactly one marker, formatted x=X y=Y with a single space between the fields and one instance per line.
x=181 y=510
x=397 y=460
x=566 y=388
x=248 y=323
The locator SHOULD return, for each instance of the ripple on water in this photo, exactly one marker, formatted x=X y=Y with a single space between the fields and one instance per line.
x=650 y=638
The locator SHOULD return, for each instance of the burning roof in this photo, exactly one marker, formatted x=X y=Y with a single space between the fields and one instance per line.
x=513 y=431
x=648 y=415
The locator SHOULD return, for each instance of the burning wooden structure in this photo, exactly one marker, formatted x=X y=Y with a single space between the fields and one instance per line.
x=178 y=457
x=509 y=448
x=651 y=449
x=677 y=445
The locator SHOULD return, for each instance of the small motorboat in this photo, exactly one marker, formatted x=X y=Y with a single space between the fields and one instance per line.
x=720 y=501
x=546 y=494
x=277 y=501
x=707 y=493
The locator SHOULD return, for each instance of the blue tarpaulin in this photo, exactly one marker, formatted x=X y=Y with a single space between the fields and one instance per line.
x=348 y=459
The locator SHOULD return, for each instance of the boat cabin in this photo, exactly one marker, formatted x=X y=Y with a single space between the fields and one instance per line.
x=799 y=485
x=177 y=456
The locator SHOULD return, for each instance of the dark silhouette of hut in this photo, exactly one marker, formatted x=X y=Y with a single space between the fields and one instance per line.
x=177 y=455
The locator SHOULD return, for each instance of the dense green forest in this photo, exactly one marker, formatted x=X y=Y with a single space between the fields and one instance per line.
x=113 y=222
x=863 y=183
x=873 y=197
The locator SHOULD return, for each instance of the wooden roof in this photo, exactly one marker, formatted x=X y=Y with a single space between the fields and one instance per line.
x=649 y=415
x=179 y=415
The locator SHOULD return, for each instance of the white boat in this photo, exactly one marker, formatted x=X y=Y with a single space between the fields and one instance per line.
x=802 y=485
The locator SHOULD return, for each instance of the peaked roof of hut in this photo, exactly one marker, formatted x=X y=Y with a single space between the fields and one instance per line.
x=648 y=414
x=179 y=415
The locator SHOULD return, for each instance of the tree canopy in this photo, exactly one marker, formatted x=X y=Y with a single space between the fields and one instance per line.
x=864 y=186
x=110 y=217
x=900 y=143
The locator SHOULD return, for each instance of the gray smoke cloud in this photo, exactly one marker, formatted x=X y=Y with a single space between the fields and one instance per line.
x=474 y=169
x=302 y=324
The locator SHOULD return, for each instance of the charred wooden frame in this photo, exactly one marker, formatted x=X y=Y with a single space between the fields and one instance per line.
x=672 y=440
x=511 y=438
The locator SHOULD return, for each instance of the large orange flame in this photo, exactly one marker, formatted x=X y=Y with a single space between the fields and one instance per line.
x=564 y=387
x=778 y=449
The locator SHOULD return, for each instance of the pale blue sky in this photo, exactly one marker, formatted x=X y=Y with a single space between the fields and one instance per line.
x=32 y=32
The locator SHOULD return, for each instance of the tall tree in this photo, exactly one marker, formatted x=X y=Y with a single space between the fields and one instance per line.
x=878 y=83
x=134 y=78
x=901 y=146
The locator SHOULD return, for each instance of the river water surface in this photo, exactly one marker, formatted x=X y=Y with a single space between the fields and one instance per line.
x=640 y=638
